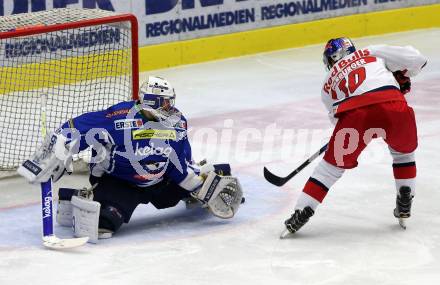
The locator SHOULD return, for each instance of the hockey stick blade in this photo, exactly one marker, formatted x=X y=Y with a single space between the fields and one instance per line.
x=54 y=242
x=272 y=178
x=280 y=181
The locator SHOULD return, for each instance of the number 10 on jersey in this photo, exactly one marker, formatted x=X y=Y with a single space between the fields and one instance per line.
x=349 y=84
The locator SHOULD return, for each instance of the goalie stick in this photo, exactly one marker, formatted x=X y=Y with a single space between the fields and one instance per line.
x=49 y=238
x=280 y=181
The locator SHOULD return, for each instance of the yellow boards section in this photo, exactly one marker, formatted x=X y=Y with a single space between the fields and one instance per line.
x=288 y=36
x=65 y=71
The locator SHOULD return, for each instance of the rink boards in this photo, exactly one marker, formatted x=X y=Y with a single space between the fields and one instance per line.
x=287 y=36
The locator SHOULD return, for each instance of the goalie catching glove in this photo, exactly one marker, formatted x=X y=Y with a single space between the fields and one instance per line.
x=220 y=194
x=49 y=161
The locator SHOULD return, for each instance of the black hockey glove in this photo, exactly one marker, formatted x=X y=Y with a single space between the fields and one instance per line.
x=404 y=81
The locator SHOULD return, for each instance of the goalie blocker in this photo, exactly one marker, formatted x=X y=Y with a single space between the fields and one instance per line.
x=51 y=160
x=100 y=211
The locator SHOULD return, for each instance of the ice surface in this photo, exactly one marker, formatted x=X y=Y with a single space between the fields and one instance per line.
x=352 y=239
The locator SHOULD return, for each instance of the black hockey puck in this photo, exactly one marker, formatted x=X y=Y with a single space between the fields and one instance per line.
x=243 y=200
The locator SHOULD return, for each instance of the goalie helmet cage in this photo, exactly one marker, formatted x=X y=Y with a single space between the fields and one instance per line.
x=70 y=60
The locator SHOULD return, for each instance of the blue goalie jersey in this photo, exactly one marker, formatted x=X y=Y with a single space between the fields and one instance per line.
x=127 y=145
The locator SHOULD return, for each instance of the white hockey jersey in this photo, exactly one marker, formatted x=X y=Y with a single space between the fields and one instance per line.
x=365 y=77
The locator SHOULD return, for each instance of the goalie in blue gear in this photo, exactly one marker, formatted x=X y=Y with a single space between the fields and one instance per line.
x=140 y=155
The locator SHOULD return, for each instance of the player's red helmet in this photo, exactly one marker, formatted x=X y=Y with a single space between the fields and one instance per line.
x=336 y=49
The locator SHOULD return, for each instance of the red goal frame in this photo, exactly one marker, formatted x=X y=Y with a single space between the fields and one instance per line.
x=39 y=29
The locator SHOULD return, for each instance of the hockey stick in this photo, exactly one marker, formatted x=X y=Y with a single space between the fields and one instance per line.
x=49 y=239
x=280 y=181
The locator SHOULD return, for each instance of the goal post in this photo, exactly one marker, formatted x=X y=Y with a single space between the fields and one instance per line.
x=71 y=61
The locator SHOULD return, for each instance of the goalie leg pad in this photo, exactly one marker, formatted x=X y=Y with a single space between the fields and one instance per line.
x=65 y=209
x=64 y=213
x=85 y=218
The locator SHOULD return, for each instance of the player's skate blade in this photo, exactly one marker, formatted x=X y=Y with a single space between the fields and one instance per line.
x=403 y=206
x=286 y=234
x=296 y=221
x=53 y=242
x=402 y=223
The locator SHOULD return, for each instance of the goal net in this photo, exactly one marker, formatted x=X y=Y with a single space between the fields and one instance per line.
x=66 y=62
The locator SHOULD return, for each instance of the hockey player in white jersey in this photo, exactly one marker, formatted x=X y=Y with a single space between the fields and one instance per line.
x=364 y=95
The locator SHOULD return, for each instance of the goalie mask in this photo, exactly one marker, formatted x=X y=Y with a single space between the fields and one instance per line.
x=157 y=96
x=336 y=49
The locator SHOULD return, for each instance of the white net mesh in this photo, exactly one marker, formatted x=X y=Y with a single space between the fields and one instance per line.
x=71 y=71
x=51 y=17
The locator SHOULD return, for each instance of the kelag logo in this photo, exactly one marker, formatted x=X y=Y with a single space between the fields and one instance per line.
x=162 y=6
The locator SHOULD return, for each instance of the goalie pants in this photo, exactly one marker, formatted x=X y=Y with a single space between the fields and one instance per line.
x=393 y=121
x=125 y=197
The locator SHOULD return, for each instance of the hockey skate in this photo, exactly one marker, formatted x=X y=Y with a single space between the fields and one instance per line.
x=298 y=219
x=403 y=205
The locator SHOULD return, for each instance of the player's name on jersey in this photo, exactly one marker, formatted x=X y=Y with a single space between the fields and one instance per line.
x=354 y=58
x=117 y=113
x=347 y=65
